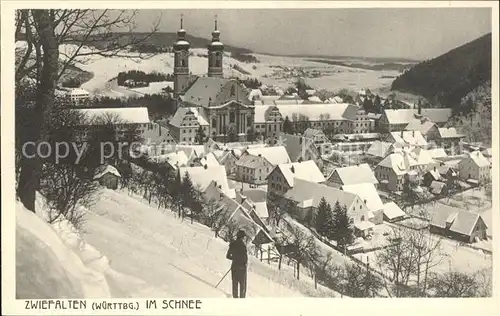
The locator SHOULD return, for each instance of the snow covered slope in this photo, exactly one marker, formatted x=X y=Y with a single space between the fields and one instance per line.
x=182 y=259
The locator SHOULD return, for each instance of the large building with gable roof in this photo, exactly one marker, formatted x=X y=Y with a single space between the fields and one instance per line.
x=219 y=105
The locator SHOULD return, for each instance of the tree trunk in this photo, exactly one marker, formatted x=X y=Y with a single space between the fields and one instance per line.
x=29 y=178
x=279 y=262
x=298 y=270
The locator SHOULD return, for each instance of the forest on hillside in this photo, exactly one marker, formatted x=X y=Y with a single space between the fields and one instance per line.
x=447 y=79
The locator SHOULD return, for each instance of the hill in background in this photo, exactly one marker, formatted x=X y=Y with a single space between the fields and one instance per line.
x=447 y=79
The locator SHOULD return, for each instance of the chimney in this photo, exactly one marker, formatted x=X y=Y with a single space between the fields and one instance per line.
x=205 y=167
x=215 y=183
x=292 y=169
x=365 y=201
x=260 y=155
x=413 y=133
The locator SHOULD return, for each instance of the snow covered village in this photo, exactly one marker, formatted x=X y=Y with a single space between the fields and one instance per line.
x=142 y=157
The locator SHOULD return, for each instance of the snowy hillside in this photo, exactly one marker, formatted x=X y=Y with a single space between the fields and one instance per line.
x=130 y=249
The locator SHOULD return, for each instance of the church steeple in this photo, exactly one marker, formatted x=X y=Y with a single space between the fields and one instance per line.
x=215 y=54
x=181 y=60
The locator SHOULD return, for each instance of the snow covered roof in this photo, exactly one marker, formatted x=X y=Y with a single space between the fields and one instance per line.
x=391 y=210
x=437 y=153
x=412 y=138
x=102 y=170
x=405 y=116
x=488 y=152
x=421 y=156
x=295 y=148
x=175 y=159
x=209 y=160
x=318 y=111
x=367 y=192
x=436 y=187
x=435 y=174
x=78 y=91
x=204 y=89
x=275 y=155
x=399 y=162
x=305 y=170
x=361 y=173
x=252 y=161
x=310 y=193
x=478 y=159
x=192 y=150
x=450 y=132
x=379 y=149
x=202 y=176
x=421 y=125
x=137 y=115
x=182 y=112
x=364 y=225
x=462 y=221
x=314 y=99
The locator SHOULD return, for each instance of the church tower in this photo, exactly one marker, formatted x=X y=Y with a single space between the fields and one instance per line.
x=181 y=61
x=215 y=53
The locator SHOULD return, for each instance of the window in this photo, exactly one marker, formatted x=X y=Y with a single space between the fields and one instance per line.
x=231 y=117
x=214 y=123
x=249 y=121
x=233 y=91
x=183 y=63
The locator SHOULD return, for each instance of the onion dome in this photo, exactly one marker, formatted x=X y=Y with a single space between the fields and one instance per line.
x=181 y=43
x=216 y=43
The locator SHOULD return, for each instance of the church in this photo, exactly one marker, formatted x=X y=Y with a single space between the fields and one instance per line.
x=220 y=106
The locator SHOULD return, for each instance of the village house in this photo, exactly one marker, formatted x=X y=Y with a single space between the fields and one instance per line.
x=397 y=120
x=173 y=160
x=364 y=123
x=122 y=119
x=368 y=193
x=458 y=224
x=226 y=158
x=361 y=173
x=107 y=176
x=408 y=139
x=281 y=178
x=340 y=118
x=430 y=176
x=475 y=168
x=393 y=213
x=322 y=143
x=426 y=127
x=254 y=199
x=202 y=176
x=379 y=150
x=275 y=155
x=438 y=188
x=437 y=153
x=358 y=143
x=488 y=154
x=234 y=216
x=76 y=96
x=185 y=123
x=449 y=139
x=391 y=171
x=298 y=148
x=306 y=196
x=253 y=168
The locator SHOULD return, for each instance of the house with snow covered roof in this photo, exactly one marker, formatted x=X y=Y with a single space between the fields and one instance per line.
x=298 y=148
x=256 y=200
x=321 y=142
x=361 y=173
x=475 y=168
x=252 y=168
x=275 y=154
x=449 y=139
x=368 y=193
x=122 y=118
x=226 y=158
x=185 y=123
x=174 y=160
x=437 y=153
x=391 y=171
x=107 y=176
x=202 y=176
x=233 y=216
x=426 y=127
x=397 y=120
x=282 y=177
x=458 y=224
x=392 y=212
x=408 y=139
x=378 y=150
x=306 y=195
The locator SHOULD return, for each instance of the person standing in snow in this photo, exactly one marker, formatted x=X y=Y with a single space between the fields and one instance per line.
x=237 y=252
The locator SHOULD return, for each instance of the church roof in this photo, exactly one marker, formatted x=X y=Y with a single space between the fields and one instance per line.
x=203 y=90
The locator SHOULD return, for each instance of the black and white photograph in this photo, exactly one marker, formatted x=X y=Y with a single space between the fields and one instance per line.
x=192 y=153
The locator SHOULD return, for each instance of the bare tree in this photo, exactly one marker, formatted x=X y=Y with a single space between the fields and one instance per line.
x=44 y=31
x=453 y=284
x=66 y=193
x=302 y=244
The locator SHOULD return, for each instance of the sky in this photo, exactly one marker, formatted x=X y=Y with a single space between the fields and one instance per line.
x=420 y=33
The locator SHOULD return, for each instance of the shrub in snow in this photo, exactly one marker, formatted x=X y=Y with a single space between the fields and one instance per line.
x=67 y=193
